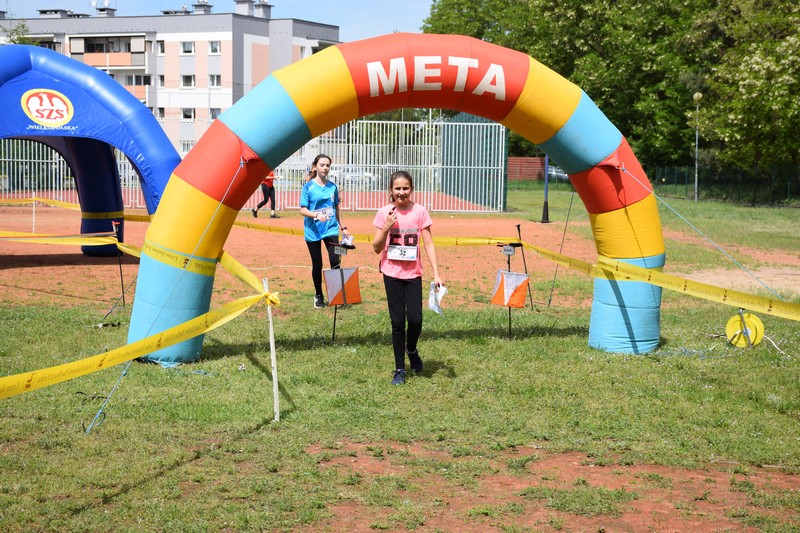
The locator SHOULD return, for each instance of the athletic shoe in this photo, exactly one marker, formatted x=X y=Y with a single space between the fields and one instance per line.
x=416 y=361
x=399 y=377
x=255 y=213
x=274 y=216
x=319 y=301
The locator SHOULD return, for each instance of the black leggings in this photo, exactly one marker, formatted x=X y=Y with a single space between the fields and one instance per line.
x=315 y=251
x=269 y=194
x=404 y=297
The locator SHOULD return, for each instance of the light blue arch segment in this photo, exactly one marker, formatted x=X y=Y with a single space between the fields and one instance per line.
x=587 y=138
x=188 y=296
x=626 y=315
x=268 y=121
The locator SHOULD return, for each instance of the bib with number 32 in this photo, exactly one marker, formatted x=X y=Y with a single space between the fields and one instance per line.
x=401 y=253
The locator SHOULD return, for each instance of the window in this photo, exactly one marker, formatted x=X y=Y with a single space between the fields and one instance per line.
x=186 y=146
x=187 y=113
x=138 y=79
x=187 y=47
x=160 y=47
x=99 y=45
x=161 y=82
x=94 y=46
x=214 y=113
x=187 y=80
x=213 y=48
x=160 y=114
x=215 y=80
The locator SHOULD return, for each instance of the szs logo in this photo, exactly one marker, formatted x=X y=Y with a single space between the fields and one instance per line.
x=47 y=107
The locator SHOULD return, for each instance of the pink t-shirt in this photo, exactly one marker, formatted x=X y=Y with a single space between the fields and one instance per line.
x=406 y=238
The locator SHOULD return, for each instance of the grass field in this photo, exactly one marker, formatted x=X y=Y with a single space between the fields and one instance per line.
x=196 y=448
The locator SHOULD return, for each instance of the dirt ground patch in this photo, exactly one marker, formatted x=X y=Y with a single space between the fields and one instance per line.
x=659 y=498
x=63 y=275
x=667 y=499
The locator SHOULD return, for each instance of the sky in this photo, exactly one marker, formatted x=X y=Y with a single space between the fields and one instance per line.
x=357 y=19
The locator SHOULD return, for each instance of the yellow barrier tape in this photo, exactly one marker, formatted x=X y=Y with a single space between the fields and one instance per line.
x=609 y=268
x=130 y=249
x=472 y=241
x=270 y=229
x=17 y=201
x=192 y=264
x=363 y=237
x=229 y=263
x=102 y=216
x=69 y=205
x=569 y=262
x=39 y=199
x=83 y=239
x=605 y=268
x=37 y=379
x=137 y=218
x=240 y=271
x=57 y=203
x=702 y=290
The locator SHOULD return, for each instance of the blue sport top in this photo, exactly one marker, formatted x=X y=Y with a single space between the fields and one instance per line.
x=320 y=199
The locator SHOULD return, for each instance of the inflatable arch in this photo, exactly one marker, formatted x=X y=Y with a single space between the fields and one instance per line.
x=344 y=82
x=81 y=112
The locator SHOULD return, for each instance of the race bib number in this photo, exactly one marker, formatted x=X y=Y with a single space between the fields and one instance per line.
x=401 y=253
x=328 y=212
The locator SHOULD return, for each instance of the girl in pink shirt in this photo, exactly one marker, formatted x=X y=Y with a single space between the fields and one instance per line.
x=399 y=228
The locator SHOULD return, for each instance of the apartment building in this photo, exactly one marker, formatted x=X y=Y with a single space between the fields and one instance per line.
x=186 y=65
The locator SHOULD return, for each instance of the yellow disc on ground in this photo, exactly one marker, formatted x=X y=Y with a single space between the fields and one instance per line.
x=744 y=330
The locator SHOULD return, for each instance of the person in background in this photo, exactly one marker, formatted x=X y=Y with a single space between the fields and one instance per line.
x=399 y=226
x=319 y=204
x=268 y=190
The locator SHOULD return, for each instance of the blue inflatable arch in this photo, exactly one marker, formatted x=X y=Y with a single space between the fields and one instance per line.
x=81 y=112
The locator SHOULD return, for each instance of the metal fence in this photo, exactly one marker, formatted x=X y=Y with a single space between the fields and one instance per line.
x=773 y=186
x=31 y=169
x=457 y=167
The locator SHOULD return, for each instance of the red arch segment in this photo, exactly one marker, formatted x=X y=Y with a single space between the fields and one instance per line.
x=231 y=158
x=606 y=187
x=396 y=72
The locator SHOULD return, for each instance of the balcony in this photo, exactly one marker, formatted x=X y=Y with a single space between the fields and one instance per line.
x=108 y=59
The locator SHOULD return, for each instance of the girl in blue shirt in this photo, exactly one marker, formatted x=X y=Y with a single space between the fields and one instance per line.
x=319 y=204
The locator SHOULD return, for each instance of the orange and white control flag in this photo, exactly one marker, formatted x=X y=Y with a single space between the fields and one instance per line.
x=510 y=289
x=342 y=286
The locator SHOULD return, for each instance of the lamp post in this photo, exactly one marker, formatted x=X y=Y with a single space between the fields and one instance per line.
x=696 y=97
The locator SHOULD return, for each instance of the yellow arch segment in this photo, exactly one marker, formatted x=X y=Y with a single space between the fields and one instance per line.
x=547 y=101
x=324 y=105
x=630 y=232
x=197 y=214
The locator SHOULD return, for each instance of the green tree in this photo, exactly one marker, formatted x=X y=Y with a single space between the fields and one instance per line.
x=18 y=34
x=641 y=61
x=753 y=116
x=624 y=55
